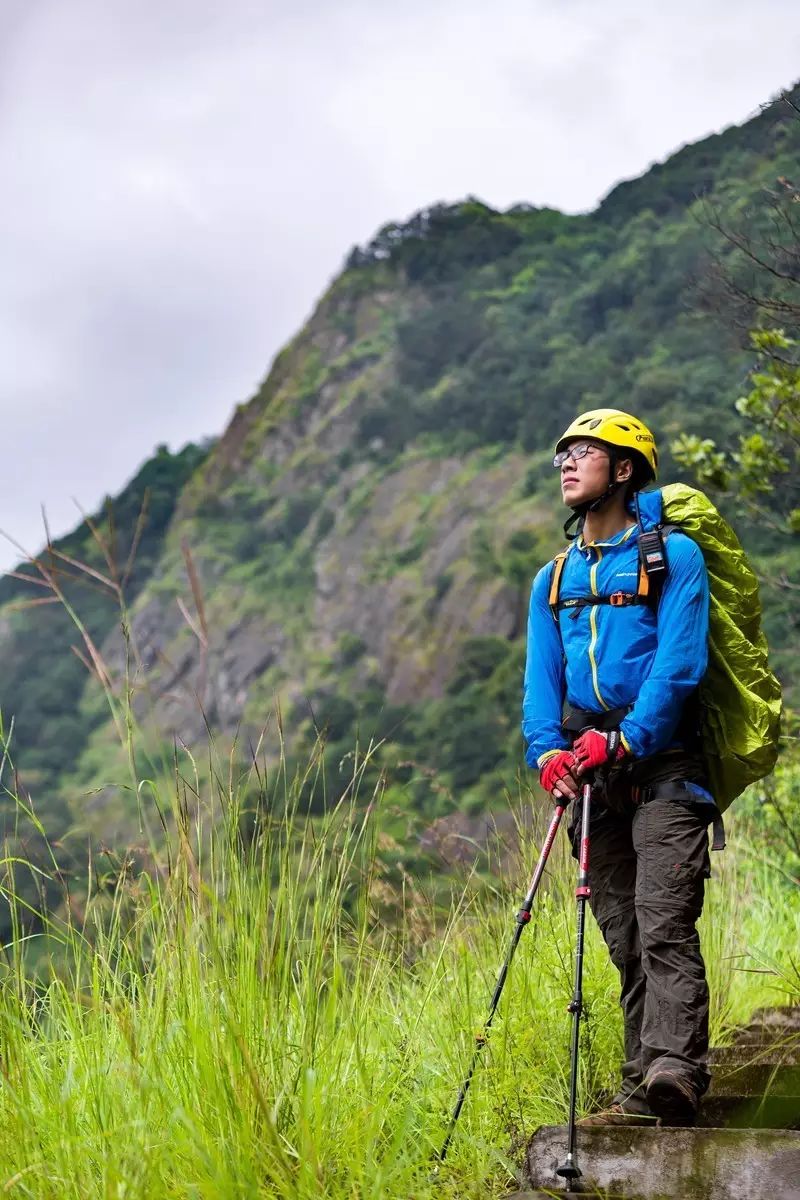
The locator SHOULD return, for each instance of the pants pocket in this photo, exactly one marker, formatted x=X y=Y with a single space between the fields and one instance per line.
x=671 y=842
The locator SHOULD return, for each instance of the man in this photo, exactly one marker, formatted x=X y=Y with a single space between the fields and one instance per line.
x=627 y=672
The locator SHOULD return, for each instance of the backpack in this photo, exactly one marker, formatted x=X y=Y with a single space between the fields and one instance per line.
x=739 y=698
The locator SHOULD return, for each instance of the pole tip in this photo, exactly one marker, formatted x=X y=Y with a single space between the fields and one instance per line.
x=569 y=1170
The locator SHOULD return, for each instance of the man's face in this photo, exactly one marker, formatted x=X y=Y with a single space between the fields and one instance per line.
x=584 y=471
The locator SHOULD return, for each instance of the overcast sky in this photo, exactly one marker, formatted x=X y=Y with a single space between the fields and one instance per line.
x=181 y=179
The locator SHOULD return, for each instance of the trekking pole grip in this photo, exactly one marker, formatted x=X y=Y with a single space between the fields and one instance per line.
x=583 y=891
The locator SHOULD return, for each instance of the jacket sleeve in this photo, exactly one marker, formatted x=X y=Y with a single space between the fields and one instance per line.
x=543 y=700
x=681 y=657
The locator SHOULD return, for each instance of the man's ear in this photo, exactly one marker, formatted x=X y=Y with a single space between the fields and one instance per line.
x=624 y=470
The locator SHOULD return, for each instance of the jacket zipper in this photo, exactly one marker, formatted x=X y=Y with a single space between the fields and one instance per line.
x=593 y=627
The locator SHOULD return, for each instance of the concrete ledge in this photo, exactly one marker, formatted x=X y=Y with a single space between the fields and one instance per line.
x=756 y=1079
x=772 y=1054
x=778 y=1016
x=750 y=1112
x=665 y=1164
x=769 y=1026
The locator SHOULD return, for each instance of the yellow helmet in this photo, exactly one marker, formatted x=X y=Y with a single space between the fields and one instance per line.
x=616 y=428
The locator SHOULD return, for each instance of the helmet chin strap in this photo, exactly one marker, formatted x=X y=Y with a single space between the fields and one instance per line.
x=580 y=510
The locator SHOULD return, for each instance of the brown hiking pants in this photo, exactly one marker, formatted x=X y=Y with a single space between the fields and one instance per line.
x=648 y=865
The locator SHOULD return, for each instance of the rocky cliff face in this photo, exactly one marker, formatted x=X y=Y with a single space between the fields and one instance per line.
x=384 y=570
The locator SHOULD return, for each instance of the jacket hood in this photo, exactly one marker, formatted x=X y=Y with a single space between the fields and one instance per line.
x=649 y=508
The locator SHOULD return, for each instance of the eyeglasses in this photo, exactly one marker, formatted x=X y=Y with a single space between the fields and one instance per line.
x=576 y=451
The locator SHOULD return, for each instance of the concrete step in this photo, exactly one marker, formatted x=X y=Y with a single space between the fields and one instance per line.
x=782 y=1016
x=753 y=1095
x=750 y=1112
x=665 y=1164
x=754 y=1079
x=729 y=1058
x=770 y=1026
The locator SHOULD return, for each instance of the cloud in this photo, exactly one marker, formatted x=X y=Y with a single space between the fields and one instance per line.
x=182 y=180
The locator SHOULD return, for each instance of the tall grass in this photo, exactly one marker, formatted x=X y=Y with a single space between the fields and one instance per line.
x=269 y=1015
x=261 y=1005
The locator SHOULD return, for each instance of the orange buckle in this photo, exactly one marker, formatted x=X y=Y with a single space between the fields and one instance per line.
x=617 y=599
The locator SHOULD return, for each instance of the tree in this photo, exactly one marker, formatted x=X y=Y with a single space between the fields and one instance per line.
x=755 y=281
x=765 y=463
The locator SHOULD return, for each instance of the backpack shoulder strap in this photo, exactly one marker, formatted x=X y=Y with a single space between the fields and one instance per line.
x=555 y=582
x=653 y=564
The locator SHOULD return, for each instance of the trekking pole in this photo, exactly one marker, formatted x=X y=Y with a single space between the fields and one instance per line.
x=522 y=918
x=569 y=1169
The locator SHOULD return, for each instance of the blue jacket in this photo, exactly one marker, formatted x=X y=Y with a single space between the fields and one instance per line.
x=608 y=657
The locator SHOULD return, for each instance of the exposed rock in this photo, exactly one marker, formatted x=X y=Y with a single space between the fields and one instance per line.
x=433 y=501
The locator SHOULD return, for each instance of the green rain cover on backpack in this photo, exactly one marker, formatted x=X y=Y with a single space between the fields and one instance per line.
x=740 y=698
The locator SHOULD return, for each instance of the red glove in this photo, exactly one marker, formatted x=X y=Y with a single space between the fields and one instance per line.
x=594 y=749
x=557 y=767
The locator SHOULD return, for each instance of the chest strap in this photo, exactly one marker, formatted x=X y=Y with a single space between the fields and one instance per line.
x=615 y=600
x=642 y=595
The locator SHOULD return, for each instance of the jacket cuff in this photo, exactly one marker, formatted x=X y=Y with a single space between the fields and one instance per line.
x=542 y=759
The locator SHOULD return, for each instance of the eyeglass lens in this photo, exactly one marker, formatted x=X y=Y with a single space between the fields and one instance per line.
x=576 y=451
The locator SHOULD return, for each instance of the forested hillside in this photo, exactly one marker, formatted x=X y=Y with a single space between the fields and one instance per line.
x=359 y=543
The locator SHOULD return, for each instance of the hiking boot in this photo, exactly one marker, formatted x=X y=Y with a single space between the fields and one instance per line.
x=616 y=1114
x=672 y=1098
